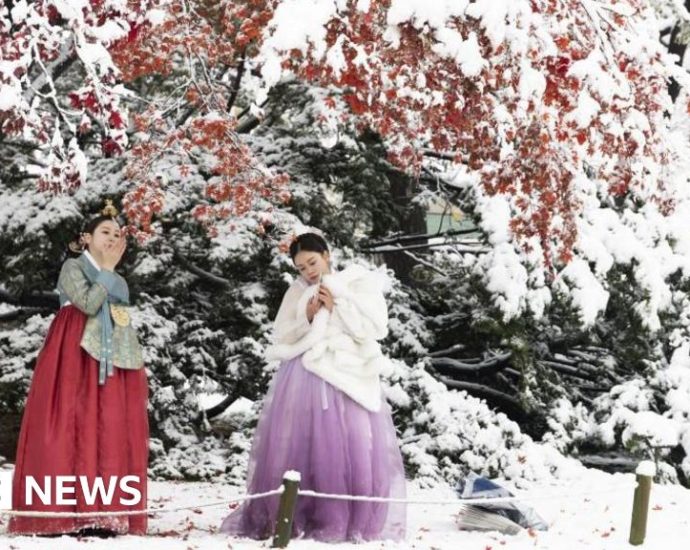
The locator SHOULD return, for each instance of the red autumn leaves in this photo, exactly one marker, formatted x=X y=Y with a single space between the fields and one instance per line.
x=409 y=90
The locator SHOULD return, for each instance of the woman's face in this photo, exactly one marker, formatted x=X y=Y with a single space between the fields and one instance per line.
x=311 y=265
x=105 y=236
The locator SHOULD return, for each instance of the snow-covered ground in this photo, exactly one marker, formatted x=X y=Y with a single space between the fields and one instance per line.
x=598 y=521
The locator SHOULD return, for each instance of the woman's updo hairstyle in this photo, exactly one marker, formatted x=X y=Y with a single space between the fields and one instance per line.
x=307 y=242
x=109 y=213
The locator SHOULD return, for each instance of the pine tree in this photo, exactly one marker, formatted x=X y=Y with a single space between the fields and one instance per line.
x=216 y=125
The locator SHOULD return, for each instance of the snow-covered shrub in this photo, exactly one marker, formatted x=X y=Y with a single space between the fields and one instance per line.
x=19 y=347
x=447 y=433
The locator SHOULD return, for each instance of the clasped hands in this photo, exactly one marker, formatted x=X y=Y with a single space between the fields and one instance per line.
x=323 y=298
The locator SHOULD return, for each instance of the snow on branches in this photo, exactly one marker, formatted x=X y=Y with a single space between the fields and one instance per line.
x=528 y=94
x=555 y=112
x=39 y=43
x=192 y=47
x=556 y=109
x=200 y=48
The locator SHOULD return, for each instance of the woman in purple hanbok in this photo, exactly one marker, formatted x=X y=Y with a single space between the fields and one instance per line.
x=324 y=415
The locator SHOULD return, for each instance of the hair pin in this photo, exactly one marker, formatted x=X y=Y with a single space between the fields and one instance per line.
x=109 y=209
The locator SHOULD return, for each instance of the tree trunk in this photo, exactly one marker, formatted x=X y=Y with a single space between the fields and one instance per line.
x=411 y=221
x=9 y=434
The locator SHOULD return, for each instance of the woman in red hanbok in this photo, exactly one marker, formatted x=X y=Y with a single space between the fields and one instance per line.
x=86 y=412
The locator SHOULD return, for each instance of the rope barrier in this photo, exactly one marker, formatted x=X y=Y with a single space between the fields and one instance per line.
x=461 y=501
x=316 y=494
x=27 y=513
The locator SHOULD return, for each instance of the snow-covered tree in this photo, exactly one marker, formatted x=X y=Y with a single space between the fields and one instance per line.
x=548 y=122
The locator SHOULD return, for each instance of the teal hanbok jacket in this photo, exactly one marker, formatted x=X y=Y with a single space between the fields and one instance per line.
x=99 y=293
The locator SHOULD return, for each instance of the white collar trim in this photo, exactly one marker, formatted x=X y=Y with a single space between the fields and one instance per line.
x=92 y=260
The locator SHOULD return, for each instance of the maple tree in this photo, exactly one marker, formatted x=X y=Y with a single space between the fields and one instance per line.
x=548 y=120
x=197 y=44
x=113 y=44
x=549 y=104
x=535 y=98
x=531 y=100
x=41 y=42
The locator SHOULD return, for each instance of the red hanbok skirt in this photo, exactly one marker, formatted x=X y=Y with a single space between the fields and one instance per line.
x=74 y=427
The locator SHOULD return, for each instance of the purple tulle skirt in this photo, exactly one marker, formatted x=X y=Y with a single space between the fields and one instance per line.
x=337 y=446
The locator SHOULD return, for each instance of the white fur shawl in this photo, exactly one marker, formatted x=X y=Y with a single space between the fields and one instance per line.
x=340 y=347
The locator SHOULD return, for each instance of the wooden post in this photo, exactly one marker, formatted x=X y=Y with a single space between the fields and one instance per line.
x=286 y=509
x=638 y=525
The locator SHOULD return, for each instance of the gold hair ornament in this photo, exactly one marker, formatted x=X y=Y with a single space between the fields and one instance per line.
x=109 y=209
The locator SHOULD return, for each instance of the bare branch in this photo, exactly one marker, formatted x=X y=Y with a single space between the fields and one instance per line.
x=447 y=351
x=481 y=390
x=43 y=300
x=487 y=365
x=237 y=82
x=206 y=275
